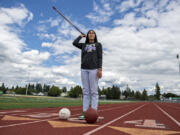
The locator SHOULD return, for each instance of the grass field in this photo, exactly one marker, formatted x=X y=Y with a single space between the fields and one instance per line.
x=17 y=102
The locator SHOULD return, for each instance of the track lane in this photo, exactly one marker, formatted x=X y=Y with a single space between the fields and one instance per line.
x=112 y=121
x=35 y=127
x=145 y=120
x=75 y=112
x=172 y=112
x=116 y=112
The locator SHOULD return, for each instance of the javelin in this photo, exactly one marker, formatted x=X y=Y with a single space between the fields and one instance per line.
x=67 y=20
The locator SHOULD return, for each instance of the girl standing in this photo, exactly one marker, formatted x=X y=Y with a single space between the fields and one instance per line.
x=91 y=68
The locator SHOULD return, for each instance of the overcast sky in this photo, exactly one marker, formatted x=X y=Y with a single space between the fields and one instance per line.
x=140 y=39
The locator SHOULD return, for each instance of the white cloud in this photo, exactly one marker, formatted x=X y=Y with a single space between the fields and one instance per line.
x=140 y=22
x=126 y=5
x=42 y=28
x=20 y=65
x=34 y=57
x=47 y=36
x=15 y=15
x=62 y=45
x=65 y=82
x=139 y=51
x=43 y=25
x=163 y=3
x=128 y=20
x=100 y=14
x=171 y=20
x=107 y=6
x=47 y=44
x=51 y=21
x=142 y=58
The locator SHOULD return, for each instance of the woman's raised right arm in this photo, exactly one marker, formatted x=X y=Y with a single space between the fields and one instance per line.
x=76 y=42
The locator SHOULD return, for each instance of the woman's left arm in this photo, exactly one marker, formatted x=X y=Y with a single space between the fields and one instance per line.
x=99 y=53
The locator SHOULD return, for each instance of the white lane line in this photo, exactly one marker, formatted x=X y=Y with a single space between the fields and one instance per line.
x=57 y=110
x=25 y=123
x=48 y=111
x=30 y=113
x=15 y=111
x=110 y=122
x=168 y=115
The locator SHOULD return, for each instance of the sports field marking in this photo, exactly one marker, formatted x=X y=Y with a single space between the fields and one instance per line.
x=24 y=113
x=147 y=123
x=33 y=113
x=48 y=111
x=8 y=117
x=75 y=109
x=41 y=115
x=38 y=112
x=15 y=111
x=64 y=124
x=110 y=122
x=48 y=115
x=25 y=123
x=138 y=131
x=168 y=115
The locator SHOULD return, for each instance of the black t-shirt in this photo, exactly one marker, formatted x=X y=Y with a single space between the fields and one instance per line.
x=91 y=54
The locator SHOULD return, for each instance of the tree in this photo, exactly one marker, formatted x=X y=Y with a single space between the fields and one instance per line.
x=144 y=95
x=3 y=89
x=157 y=91
x=64 y=89
x=167 y=95
x=38 y=87
x=138 y=95
x=46 y=88
x=116 y=92
x=54 y=91
x=75 y=92
x=104 y=92
x=20 y=90
x=111 y=92
x=132 y=93
x=16 y=87
x=127 y=92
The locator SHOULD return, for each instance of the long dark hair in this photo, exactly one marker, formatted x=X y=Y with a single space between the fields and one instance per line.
x=87 y=38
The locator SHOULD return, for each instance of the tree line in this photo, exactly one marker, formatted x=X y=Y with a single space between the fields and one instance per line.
x=32 y=89
x=113 y=92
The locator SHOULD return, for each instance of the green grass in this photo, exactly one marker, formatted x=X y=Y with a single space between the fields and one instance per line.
x=19 y=102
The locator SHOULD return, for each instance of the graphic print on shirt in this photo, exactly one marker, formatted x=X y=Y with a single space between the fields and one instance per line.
x=90 y=47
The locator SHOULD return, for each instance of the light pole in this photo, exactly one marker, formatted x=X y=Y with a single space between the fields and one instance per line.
x=177 y=56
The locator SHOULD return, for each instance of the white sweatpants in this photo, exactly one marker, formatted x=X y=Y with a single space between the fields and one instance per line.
x=90 y=88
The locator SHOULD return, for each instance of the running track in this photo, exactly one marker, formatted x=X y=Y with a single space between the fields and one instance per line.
x=143 y=118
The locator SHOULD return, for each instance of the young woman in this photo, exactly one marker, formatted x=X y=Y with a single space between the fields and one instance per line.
x=91 y=68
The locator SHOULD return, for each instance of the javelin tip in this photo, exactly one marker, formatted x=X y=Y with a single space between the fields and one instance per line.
x=54 y=7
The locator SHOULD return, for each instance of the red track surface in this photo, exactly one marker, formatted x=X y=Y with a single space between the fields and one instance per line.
x=143 y=118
